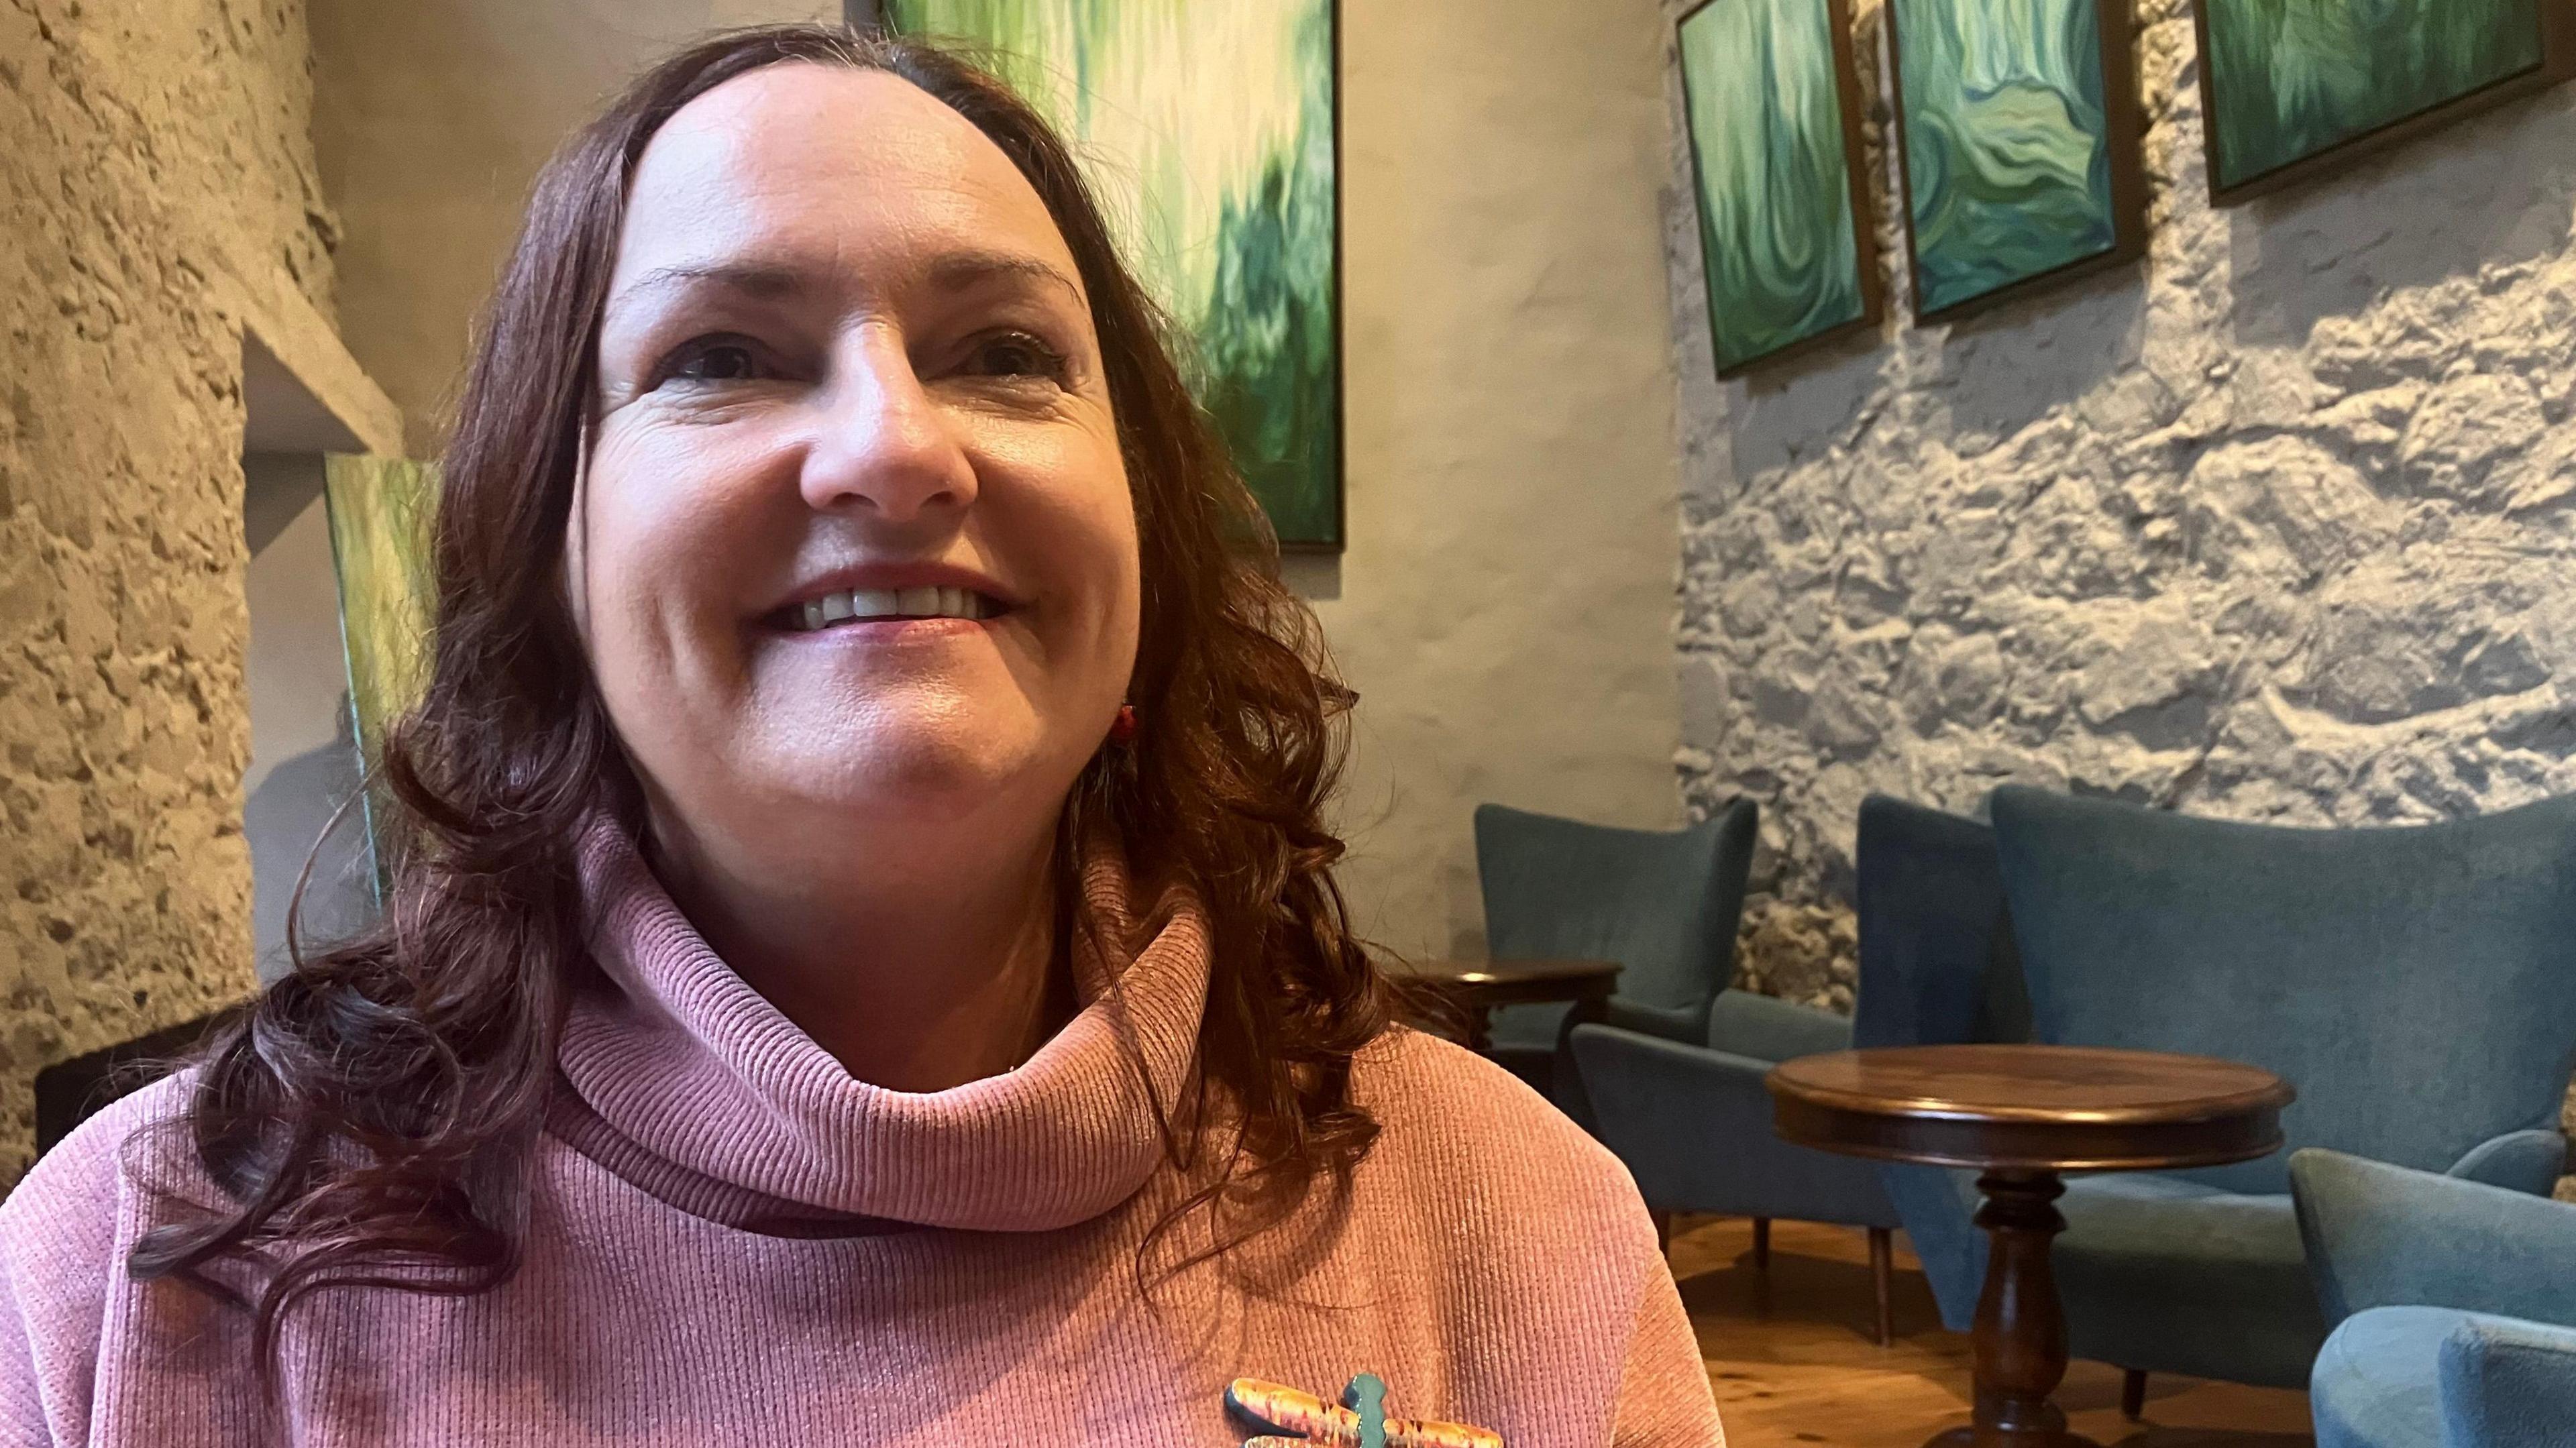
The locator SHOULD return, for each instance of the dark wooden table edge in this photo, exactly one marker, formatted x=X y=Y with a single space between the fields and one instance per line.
x=2275 y=1095
x=2182 y=1114
x=1560 y=973
x=2030 y=1146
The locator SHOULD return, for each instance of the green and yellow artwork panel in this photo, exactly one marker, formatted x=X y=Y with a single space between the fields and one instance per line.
x=1209 y=130
x=381 y=514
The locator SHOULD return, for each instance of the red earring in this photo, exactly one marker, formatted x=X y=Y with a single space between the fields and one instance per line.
x=1122 y=730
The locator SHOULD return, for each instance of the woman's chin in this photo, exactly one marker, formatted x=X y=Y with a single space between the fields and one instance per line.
x=919 y=776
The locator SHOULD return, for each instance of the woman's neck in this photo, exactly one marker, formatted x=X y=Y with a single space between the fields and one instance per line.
x=914 y=978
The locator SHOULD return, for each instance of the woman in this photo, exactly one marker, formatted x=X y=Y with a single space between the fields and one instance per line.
x=865 y=967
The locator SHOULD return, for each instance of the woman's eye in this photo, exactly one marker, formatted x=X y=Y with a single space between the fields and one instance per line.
x=1014 y=355
x=715 y=359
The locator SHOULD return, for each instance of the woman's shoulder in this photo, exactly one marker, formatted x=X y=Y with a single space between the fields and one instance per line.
x=1415 y=1082
x=64 y=1233
x=60 y=1226
x=1471 y=1128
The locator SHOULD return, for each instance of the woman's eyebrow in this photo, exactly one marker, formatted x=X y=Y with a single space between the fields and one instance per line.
x=755 y=279
x=954 y=271
x=959 y=271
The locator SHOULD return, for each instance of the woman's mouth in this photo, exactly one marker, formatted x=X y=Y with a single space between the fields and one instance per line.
x=887 y=605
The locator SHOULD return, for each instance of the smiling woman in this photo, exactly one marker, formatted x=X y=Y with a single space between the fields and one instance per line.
x=863 y=964
x=804 y=392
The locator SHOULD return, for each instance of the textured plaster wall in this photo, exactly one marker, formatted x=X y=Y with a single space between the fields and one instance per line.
x=152 y=157
x=2279 y=526
x=431 y=120
x=1505 y=609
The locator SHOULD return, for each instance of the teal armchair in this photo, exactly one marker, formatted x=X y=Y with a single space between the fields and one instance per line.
x=1673 y=1084
x=1693 y=1125
x=1664 y=904
x=1693 y=1121
x=2453 y=1306
x=2417 y=985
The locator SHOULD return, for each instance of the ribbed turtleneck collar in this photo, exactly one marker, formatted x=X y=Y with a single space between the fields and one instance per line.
x=685 y=1062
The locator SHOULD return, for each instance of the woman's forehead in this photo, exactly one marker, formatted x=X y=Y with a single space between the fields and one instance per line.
x=825 y=165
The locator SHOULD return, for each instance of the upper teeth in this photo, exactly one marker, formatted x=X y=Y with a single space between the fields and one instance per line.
x=831 y=608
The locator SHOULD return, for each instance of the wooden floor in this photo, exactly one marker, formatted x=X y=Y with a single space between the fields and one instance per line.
x=1791 y=1357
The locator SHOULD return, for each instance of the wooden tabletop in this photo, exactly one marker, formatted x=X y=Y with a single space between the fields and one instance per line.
x=1506 y=973
x=2057 y=1108
x=1464 y=992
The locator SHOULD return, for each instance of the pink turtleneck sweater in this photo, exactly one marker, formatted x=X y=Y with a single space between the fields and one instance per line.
x=734 y=1242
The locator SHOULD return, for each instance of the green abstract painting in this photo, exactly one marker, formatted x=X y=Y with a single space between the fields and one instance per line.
x=2012 y=114
x=2289 y=80
x=1767 y=88
x=380 y=512
x=1207 y=127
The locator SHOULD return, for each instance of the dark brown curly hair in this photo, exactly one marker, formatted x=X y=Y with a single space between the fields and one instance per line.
x=370 y=1118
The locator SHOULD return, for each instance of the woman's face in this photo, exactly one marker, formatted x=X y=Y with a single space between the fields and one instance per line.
x=848 y=378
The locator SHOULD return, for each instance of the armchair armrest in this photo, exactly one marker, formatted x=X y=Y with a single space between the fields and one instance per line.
x=1766 y=1029
x=2386 y=1236
x=1688 y=1026
x=2507 y=1384
x=1694 y=1128
x=2521 y=1161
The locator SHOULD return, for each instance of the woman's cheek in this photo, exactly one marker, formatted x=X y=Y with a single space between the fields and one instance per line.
x=666 y=556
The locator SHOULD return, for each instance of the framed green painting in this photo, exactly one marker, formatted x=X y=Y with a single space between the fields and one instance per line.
x=2019 y=130
x=1771 y=105
x=381 y=512
x=2290 y=88
x=1211 y=132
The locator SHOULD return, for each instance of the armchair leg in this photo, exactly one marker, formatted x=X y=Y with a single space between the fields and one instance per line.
x=2133 y=1394
x=1761 y=1244
x=1882 y=1269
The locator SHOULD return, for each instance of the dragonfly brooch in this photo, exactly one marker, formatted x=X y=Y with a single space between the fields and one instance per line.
x=1300 y=1420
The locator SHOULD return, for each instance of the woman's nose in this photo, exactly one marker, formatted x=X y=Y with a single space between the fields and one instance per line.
x=882 y=445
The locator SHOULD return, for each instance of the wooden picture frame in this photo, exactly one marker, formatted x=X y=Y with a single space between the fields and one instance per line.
x=1871 y=293
x=2557 y=22
x=2123 y=137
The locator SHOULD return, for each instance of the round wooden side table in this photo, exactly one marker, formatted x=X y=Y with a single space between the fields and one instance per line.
x=2021 y=1115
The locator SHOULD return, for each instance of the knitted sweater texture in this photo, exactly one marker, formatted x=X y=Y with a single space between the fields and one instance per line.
x=732 y=1241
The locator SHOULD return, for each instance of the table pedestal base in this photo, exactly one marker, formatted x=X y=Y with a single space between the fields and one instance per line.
x=1968 y=1438
x=2020 y=1336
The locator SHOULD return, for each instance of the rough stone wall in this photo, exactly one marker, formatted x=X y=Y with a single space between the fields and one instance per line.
x=2280 y=525
x=146 y=150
